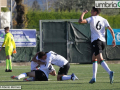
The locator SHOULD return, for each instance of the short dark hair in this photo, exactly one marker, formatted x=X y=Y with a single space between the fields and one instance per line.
x=98 y=10
x=6 y=28
x=41 y=54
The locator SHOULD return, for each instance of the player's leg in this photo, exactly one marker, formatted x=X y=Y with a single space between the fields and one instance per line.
x=23 y=75
x=94 y=60
x=102 y=62
x=38 y=74
x=10 y=63
x=8 y=51
x=95 y=67
x=7 y=63
x=62 y=74
x=105 y=66
x=30 y=78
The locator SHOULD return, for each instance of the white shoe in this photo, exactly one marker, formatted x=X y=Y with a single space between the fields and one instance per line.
x=15 y=77
x=76 y=77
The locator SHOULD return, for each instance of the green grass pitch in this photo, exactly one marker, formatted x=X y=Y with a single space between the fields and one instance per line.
x=82 y=71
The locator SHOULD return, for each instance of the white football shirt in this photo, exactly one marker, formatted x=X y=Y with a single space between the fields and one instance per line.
x=34 y=64
x=55 y=59
x=47 y=70
x=97 y=26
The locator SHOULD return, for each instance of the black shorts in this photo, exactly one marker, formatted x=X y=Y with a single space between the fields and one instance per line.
x=40 y=76
x=98 y=46
x=64 y=70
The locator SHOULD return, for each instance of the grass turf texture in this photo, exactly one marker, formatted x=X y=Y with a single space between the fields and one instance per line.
x=82 y=71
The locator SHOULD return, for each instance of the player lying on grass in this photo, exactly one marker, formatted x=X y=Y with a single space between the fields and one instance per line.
x=56 y=59
x=40 y=75
x=97 y=26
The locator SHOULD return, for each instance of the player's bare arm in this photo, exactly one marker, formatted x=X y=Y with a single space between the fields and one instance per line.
x=81 y=20
x=34 y=58
x=113 y=35
x=53 y=73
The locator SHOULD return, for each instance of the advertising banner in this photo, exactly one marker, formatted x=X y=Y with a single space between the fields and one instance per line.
x=110 y=38
x=22 y=37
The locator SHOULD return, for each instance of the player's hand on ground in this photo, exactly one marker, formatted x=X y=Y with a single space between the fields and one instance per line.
x=113 y=43
x=85 y=11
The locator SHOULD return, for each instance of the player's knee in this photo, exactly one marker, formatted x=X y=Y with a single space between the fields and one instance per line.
x=28 y=73
x=101 y=61
x=59 y=78
x=94 y=61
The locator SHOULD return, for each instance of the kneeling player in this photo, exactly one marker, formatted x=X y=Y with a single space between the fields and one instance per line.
x=56 y=59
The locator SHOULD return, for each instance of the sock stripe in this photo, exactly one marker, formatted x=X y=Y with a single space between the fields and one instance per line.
x=61 y=78
x=94 y=61
x=101 y=61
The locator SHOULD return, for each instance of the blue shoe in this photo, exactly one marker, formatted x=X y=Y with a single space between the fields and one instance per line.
x=73 y=76
x=93 y=80
x=111 y=77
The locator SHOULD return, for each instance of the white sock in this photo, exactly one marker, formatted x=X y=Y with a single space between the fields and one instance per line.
x=105 y=66
x=66 y=77
x=22 y=75
x=95 y=66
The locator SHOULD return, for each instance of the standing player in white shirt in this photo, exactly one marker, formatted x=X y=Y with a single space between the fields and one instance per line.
x=97 y=26
x=56 y=59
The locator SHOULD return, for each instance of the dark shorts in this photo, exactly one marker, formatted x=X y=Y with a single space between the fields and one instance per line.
x=98 y=46
x=64 y=70
x=40 y=76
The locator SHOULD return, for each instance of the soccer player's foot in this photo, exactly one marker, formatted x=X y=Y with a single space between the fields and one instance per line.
x=111 y=77
x=93 y=80
x=28 y=79
x=6 y=70
x=14 y=77
x=74 y=77
x=9 y=70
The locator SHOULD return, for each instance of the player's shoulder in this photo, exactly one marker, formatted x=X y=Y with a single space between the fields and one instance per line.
x=9 y=34
x=102 y=18
x=50 y=52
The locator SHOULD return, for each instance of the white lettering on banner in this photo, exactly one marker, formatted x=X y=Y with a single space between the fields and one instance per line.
x=16 y=36
x=118 y=37
x=16 y=32
x=107 y=4
x=22 y=38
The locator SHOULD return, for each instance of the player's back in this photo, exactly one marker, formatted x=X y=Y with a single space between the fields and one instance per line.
x=47 y=70
x=56 y=59
x=9 y=40
x=97 y=26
